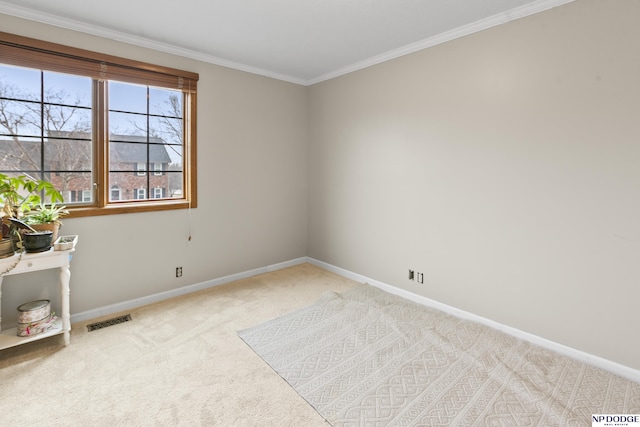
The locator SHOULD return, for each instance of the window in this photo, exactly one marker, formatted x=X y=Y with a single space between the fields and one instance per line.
x=115 y=194
x=113 y=135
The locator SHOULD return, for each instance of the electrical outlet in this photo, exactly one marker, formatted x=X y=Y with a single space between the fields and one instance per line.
x=411 y=275
x=178 y=271
x=420 y=278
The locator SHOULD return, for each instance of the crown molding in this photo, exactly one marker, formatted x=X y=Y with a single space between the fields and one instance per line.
x=483 y=24
x=474 y=27
x=95 y=30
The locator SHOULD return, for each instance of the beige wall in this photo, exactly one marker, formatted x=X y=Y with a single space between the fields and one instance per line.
x=252 y=180
x=504 y=165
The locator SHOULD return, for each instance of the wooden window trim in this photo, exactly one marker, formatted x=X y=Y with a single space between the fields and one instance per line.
x=34 y=53
x=28 y=52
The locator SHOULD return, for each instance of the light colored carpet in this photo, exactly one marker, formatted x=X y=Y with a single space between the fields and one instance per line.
x=369 y=358
x=177 y=363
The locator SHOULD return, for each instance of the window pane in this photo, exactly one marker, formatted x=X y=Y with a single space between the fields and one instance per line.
x=69 y=155
x=126 y=156
x=127 y=124
x=67 y=89
x=143 y=146
x=128 y=184
x=53 y=121
x=76 y=187
x=19 y=83
x=158 y=181
x=20 y=118
x=67 y=119
x=175 y=153
x=175 y=184
x=20 y=154
x=165 y=102
x=127 y=97
x=168 y=129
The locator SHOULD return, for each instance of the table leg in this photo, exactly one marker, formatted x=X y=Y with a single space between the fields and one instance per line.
x=65 y=275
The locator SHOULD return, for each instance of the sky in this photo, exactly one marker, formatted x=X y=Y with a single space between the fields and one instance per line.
x=129 y=99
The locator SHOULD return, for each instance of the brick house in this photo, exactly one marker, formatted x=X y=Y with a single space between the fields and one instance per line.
x=139 y=168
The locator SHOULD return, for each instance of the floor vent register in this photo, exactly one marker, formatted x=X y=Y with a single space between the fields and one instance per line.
x=109 y=322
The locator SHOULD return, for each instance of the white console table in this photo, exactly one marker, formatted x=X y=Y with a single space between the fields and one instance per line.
x=35 y=262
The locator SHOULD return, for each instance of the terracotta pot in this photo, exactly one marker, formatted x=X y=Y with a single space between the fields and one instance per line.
x=50 y=226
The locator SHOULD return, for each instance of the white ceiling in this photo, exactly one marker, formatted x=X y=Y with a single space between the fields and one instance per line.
x=301 y=41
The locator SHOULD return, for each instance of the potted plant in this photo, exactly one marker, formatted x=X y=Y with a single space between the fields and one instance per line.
x=46 y=217
x=19 y=195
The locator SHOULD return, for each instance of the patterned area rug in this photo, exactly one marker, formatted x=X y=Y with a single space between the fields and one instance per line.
x=369 y=358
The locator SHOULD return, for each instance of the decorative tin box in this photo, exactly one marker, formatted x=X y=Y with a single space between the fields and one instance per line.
x=34 y=311
x=35 y=317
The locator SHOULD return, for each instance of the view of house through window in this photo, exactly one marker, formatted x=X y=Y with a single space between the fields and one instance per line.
x=46 y=127
x=46 y=131
x=106 y=132
x=145 y=132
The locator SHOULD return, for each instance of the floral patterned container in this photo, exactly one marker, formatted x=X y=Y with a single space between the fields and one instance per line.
x=35 y=328
x=34 y=317
x=34 y=311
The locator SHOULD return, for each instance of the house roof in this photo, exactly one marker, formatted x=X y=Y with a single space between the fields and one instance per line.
x=123 y=149
x=131 y=147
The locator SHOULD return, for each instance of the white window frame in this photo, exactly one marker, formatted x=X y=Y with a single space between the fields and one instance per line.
x=117 y=191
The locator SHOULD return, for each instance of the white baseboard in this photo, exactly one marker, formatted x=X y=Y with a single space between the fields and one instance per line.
x=149 y=299
x=607 y=365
